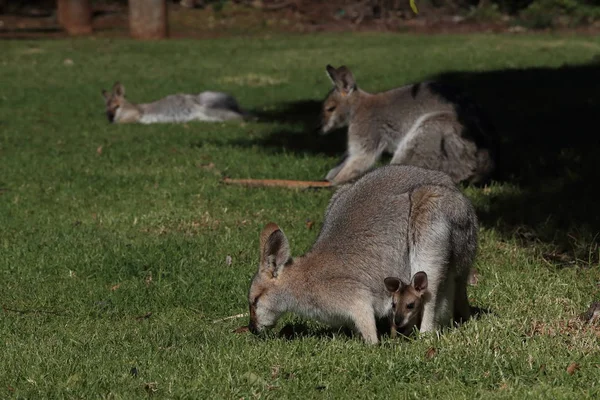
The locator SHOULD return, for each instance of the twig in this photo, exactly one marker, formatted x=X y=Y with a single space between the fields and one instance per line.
x=231 y=317
x=277 y=183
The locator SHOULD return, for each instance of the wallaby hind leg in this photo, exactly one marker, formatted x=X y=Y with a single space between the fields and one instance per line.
x=462 y=309
x=436 y=143
x=430 y=252
x=438 y=311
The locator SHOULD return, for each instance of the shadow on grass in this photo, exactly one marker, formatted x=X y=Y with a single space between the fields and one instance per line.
x=548 y=144
x=294 y=331
x=302 y=135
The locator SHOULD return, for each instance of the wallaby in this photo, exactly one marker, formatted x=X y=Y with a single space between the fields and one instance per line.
x=408 y=300
x=205 y=106
x=428 y=124
x=394 y=221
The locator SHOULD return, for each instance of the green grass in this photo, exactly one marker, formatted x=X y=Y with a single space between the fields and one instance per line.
x=101 y=225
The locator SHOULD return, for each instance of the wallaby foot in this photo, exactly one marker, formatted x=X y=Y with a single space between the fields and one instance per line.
x=462 y=309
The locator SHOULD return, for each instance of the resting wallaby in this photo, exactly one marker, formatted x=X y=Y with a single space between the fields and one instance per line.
x=408 y=300
x=205 y=106
x=428 y=124
x=394 y=221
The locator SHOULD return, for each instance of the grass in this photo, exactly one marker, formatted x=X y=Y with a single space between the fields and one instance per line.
x=114 y=239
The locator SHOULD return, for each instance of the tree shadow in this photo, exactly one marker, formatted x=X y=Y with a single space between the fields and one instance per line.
x=301 y=133
x=548 y=141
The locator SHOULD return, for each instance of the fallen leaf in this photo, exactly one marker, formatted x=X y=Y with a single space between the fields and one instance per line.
x=99 y=150
x=10 y=388
x=572 y=368
x=228 y=260
x=431 y=352
x=150 y=387
x=473 y=277
x=309 y=224
x=68 y=62
x=241 y=329
x=115 y=287
x=148 y=279
x=503 y=386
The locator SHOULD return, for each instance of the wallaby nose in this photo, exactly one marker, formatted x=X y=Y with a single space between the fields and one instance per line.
x=110 y=116
x=252 y=328
x=318 y=129
x=399 y=320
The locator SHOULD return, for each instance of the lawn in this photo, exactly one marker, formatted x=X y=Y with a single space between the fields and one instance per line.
x=120 y=247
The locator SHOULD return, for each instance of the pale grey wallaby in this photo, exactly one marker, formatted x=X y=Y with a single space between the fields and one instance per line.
x=408 y=301
x=393 y=222
x=205 y=106
x=429 y=125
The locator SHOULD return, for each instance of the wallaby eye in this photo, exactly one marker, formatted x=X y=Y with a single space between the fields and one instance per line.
x=410 y=306
x=330 y=109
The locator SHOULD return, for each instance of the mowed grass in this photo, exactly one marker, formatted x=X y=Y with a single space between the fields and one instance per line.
x=119 y=246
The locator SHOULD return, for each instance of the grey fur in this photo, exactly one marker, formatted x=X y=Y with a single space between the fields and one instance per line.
x=429 y=125
x=394 y=221
x=205 y=106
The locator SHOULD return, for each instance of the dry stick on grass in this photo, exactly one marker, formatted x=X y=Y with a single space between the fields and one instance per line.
x=231 y=317
x=277 y=183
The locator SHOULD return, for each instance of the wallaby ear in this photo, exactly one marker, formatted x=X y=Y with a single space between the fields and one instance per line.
x=118 y=89
x=392 y=284
x=419 y=281
x=343 y=79
x=275 y=250
x=331 y=73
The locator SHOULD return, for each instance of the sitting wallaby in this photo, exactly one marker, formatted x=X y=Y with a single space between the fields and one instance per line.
x=428 y=125
x=408 y=300
x=205 y=106
x=394 y=221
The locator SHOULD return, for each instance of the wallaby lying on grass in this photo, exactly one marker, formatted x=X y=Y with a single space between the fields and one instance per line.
x=394 y=221
x=429 y=125
x=205 y=106
x=408 y=300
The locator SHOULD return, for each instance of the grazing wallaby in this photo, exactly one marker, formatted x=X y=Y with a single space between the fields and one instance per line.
x=394 y=221
x=428 y=124
x=408 y=300
x=205 y=106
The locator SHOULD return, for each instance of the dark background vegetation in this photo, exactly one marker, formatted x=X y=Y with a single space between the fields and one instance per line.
x=310 y=15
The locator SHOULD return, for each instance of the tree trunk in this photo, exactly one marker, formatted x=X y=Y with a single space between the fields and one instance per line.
x=75 y=16
x=148 y=19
